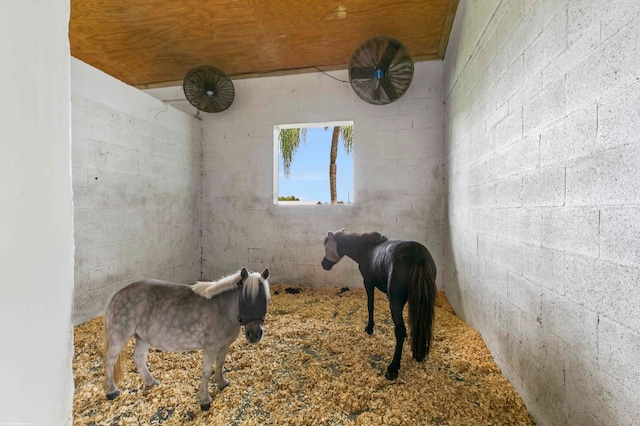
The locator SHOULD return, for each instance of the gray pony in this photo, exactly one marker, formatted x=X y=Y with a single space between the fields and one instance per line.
x=179 y=317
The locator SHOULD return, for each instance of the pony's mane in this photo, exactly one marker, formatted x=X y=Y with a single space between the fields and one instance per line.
x=370 y=237
x=252 y=286
x=208 y=289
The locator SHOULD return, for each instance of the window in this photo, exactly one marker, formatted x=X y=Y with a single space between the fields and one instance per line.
x=302 y=159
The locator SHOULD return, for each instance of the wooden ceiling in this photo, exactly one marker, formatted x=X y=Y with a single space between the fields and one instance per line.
x=153 y=43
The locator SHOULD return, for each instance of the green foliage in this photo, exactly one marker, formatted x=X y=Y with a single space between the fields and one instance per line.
x=346 y=134
x=289 y=143
x=289 y=198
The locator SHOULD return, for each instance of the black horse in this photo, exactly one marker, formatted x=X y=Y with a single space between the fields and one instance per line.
x=405 y=271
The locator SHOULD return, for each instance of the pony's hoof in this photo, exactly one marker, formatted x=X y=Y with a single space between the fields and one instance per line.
x=391 y=374
x=223 y=384
x=205 y=407
x=368 y=329
x=113 y=395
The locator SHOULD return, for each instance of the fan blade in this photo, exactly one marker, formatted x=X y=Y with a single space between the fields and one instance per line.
x=388 y=56
x=375 y=93
x=361 y=73
x=389 y=89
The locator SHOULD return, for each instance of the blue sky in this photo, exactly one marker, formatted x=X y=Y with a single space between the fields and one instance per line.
x=309 y=177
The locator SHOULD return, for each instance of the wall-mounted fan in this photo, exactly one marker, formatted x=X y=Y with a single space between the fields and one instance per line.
x=381 y=70
x=208 y=89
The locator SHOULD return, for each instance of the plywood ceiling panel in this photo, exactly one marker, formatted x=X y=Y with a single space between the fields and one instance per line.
x=153 y=43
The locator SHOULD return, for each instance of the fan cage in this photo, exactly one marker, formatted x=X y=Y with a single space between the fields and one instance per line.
x=208 y=89
x=381 y=70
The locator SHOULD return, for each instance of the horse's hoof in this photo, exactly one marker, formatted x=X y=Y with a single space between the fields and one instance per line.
x=223 y=384
x=113 y=395
x=391 y=374
x=368 y=330
x=205 y=407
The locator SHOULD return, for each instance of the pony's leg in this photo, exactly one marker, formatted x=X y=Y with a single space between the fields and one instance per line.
x=370 y=295
x=207 y=370
x=140 y=358
x=110 y=359
x=401 y=334
x=220 y=379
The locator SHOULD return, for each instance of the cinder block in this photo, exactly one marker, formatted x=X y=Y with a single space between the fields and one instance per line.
x=546 y=267
x=545 y=108
x=523 y=224
x=573 y=137
x=574 y=230
x=604 y=287
x=618 y=352
x=525 y=295
x=619 y=118
x=503 y=252
x=496 y=279
x=620 y=235
x=544 y=187
x=587 y=402
x=612 y=66
x=551 y=42
x=508 y=130
x=576 y=325
x=609 y=178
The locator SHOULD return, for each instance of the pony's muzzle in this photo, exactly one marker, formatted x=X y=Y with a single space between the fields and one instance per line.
x=327 y=264
x=253 y=331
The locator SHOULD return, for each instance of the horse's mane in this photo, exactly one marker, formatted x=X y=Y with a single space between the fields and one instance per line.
x=208 y=289
x=252 y=286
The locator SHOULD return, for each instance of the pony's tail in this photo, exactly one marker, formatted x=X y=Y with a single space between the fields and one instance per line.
x=117 y=369
x=422 y=297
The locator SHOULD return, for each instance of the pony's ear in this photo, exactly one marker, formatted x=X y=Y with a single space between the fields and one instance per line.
x=330 y=235
x=243 y=273
x=265 y=273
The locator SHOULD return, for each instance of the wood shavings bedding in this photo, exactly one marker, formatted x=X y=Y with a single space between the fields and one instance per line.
x=316 y=365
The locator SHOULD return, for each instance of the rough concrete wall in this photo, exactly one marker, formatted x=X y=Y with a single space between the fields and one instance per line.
x=136 y=183
x=36 y=215
x=543 y=156
x=398 y=175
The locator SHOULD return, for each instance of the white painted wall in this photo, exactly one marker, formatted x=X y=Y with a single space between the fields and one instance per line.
x=398 y=176
x=136 y=182
x=543 y=206
x=36 y=215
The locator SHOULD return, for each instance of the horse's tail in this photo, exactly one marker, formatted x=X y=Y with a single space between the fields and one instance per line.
x=422 y=297
x=117 y=369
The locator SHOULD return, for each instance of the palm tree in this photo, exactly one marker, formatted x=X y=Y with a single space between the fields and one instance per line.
x=290 y=141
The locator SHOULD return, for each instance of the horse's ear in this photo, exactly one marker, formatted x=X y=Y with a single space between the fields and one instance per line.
x=243 y=273
x=265 y=273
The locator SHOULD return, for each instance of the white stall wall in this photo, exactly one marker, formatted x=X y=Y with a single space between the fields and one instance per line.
x=36 y=215
x=136 y=183
x=543 y=170
x=398 y=176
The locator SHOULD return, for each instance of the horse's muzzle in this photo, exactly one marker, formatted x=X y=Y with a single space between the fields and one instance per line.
x=327 y=264
x=253 y=331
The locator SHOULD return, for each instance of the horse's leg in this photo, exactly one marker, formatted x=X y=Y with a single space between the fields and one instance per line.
x=207 y=370
x=370 y=294
x=401 y=333
x=110 y=359
x=220 y=379
x=140 y=358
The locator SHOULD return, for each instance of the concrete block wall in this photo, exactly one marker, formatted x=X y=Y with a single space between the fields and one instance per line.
x=542 y=176
x=398 y=176
x=136 y=189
